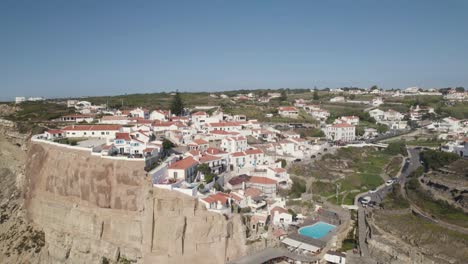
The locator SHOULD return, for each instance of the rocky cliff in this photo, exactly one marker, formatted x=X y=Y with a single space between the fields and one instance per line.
x=95 y=210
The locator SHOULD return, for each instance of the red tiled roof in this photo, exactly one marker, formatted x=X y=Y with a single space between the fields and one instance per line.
x=252 y=192
x=278 y=170
x=114 y=118
x=124 y=136
x=215 y=151
x=279 y=232
x=200 y=142
x=239 y=179
x=223 y=132
x=199 y=113
x=288 y=108
x=238 y=154
x=253 y=151
x=92 y=127
x=54 y=131
x=279 y=210
x=223 y=124
x=221 y=197
x=183 y=164
x=261 y=180
x=207 y=158
x=342 y=125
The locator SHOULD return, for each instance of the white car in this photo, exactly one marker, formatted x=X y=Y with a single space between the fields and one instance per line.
x=389 y=182
x=374 y=190
x=365 y=200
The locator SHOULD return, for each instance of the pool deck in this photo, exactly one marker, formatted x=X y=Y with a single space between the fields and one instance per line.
x=273 y=253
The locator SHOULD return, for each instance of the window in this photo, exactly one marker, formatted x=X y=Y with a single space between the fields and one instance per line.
x=102 y=133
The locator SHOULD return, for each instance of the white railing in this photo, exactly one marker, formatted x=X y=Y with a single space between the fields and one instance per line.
x=40 y=139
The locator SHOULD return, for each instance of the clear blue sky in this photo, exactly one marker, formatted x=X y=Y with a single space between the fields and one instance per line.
x=76 y=48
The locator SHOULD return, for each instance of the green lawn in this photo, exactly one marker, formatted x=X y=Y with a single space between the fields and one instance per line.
x=367 y=166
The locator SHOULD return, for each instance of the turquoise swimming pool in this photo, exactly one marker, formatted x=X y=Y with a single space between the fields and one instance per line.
x=317 y=230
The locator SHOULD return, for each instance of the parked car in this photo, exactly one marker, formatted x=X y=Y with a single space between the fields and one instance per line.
x=389 y=182
x=374 y=190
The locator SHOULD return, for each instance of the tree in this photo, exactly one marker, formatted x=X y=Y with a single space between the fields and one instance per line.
x=435 y=159
x=381 y=128
x=167 y=144
x=352 y=97
x=316 y=96
x=374 y=87
x=395 y=148
x=283 y=162
x=177 y=107
x=460 y=89
x=206 y=171
x=284 y=96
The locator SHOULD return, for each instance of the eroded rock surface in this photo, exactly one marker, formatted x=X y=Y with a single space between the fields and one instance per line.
x=93 y=209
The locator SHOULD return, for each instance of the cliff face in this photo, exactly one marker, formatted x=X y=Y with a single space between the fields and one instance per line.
x=93 y=209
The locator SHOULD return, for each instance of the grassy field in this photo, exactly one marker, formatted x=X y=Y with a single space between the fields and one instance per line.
x=425 y=142
x=438 y=208
x=395 y=199
x=39 y=111
x=363 y=170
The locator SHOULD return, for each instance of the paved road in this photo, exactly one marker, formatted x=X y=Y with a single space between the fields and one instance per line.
x=378 y=196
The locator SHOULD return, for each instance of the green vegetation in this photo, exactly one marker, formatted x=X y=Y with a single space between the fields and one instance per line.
x=39 y=111
x=206 y=170
x=167 y=144
x=435 y=159
x=396 y=147
x=434 y=142
x=310 y=132
x=395 y=200
x=458 y=110
x=437 y=208
x=352 y=240
x=298 y=187
x=424 y=234
x=177 y=106
x=348 y=172
x=283 y=162
x=69 y=141
x=393 y=167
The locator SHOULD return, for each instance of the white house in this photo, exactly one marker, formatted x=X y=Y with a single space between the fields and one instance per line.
x=288 y=111
x=226 y=126
x=139 y=112
x=319 y=114
x=199 y=118
x=352 y=120
x=184 y=169
x=127 y=145
x=77 y=118
x=280 y=216
x=234 y=144
x=376 y=101
x=341 y=132
x=92 y=131
x=338 y=99
x=121 y=120
x=54 y=133
x=160 y=115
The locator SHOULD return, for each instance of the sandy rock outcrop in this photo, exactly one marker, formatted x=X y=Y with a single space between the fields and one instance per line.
x=93 y=210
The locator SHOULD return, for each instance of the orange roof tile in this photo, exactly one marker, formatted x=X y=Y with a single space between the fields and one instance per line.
x=261 y=180
x=183 y=164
